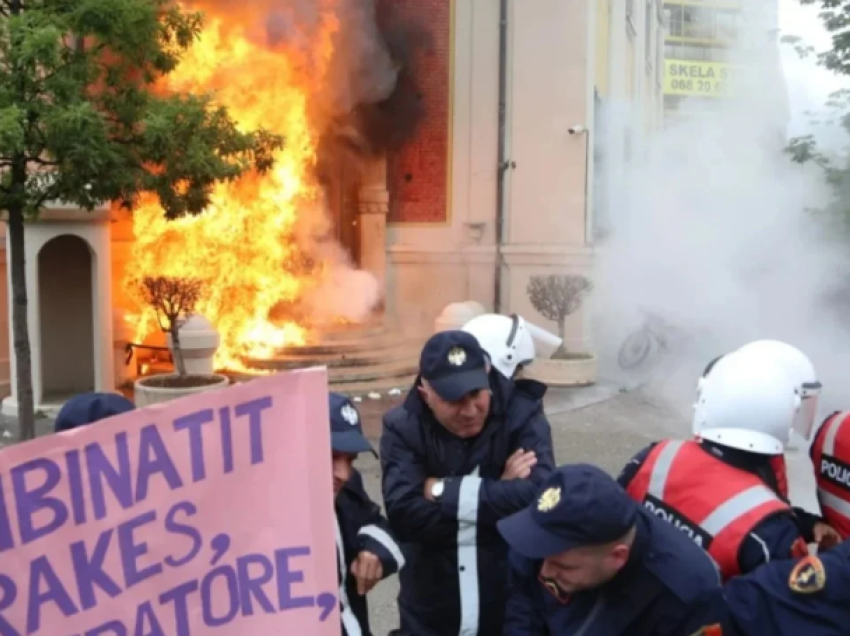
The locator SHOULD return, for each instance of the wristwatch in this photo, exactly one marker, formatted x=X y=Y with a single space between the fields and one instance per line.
x=437 y=489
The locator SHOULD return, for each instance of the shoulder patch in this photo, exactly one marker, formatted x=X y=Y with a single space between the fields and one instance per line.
x=808 y=576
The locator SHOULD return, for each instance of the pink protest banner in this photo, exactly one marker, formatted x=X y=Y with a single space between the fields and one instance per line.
x=208 y=515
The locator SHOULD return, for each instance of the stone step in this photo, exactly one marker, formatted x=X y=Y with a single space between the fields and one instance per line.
x=379 y=382
x=383 y=341
x=288 y=360
x=336 y=333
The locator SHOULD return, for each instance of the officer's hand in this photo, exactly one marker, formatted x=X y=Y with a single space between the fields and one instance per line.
x=519 y=465
x=826 y=536
x=367 y=569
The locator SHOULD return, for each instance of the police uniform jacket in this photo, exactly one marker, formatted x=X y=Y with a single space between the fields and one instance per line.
x=780 y=534
x=662 y=591
x=455 y=579
x=830 y=453
x=793 y=597
x=360 y=527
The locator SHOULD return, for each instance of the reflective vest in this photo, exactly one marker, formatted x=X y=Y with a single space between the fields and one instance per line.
x=716 y=504
x=780 y=471
x=831 y=457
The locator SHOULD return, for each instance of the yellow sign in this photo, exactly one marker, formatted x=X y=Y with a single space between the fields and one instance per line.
x=698 y=79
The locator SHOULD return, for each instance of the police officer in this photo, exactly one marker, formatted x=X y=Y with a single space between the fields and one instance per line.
x=366 y=551
x=797 y=365
x=721 y=489
x=830 y=453
x=88 y=408
x=807 y=596
x=587 y=559
x=465 y=449
x=507 y=341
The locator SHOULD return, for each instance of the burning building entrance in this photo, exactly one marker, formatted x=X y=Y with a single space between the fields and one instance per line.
x=383 y=205
x=268 y=248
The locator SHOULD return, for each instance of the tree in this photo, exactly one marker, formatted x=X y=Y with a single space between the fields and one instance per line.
x=174 y=300
x=557 y=296
x=82 y=122
x=835 y=15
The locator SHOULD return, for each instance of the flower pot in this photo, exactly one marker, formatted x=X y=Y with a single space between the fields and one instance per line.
x=577 y=370
x=165 y=387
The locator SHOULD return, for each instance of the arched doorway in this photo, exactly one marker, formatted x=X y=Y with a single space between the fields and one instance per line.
x=66 y=307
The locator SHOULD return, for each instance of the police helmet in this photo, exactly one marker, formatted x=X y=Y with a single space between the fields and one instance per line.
x=747 y=403
x=801 y=370
x=506 y=339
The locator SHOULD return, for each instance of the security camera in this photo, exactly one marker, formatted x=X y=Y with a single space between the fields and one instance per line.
x=577 y=130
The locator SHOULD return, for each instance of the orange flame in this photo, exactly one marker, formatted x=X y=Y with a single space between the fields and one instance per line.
x=242 y=245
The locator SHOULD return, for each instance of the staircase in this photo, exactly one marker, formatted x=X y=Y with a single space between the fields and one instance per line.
x=365 y=360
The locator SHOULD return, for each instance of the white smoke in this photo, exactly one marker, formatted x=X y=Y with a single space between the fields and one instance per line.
x=712 y=231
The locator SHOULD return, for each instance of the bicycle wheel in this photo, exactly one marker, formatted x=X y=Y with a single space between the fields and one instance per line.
x=635 y=349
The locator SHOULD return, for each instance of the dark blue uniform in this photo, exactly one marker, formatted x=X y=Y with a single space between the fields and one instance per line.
x=666 y=587
x=778 y=536
x=454 y=582
x=805 y=597
x=361 y=528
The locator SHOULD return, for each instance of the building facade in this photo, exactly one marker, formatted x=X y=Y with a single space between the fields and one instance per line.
x=721 y=50
x=495 y=186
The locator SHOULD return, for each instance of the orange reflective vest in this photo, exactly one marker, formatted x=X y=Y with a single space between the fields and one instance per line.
x=831 y=457
x=780 y=470
x=716 y=504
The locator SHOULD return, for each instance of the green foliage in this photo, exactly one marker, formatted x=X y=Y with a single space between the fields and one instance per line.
x=82 y=123
x=835 y=16
x=79 y=121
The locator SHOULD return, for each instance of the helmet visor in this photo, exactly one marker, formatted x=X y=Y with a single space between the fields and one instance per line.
x=804 y=421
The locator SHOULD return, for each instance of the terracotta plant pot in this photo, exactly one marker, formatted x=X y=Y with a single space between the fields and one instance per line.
x=165 y=387
x=577 y=370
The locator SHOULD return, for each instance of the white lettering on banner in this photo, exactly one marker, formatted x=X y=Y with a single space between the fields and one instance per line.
x=697 y=535
x=839 y=474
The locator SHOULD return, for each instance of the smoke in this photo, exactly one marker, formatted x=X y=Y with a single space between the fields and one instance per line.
x=711 y=229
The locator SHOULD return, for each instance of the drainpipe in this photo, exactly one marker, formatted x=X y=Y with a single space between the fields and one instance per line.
x=502 y=163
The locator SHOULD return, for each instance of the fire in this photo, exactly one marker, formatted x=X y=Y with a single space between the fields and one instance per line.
x=242 y=246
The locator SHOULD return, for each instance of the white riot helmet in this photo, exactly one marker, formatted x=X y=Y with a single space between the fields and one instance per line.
x=506 y=339
x=748 y=404
x=800 y=369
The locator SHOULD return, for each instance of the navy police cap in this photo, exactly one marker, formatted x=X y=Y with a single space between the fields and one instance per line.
x=346 y=429
x=454 y=364
x=578 y=505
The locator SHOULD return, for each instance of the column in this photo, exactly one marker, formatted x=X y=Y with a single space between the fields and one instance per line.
x=373 y=205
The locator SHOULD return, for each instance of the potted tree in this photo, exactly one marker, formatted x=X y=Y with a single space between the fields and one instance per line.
x=174 y=300
x=555 y=297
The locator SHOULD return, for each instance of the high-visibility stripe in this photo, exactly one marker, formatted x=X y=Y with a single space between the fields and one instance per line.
x=661 y=470
x=732 y=509
x=467 y=553
x=350 y=624
x=381 y=536
x=839 y=505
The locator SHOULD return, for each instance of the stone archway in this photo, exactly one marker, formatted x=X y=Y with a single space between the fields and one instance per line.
x=66 y=307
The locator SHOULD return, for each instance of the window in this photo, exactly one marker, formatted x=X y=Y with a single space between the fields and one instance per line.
x=648 y=35
x=680 y=51
x=702 y=22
